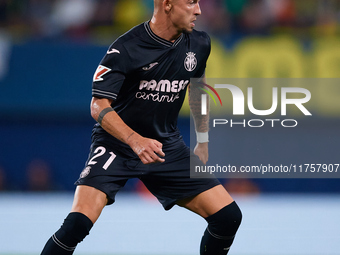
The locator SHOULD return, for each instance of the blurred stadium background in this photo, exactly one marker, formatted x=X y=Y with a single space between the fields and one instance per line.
x=49 y=50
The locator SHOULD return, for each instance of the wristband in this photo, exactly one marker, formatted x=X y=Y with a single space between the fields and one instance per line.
x=103 y=113
x=202 y=137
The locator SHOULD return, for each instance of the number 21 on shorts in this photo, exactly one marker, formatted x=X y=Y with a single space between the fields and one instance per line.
x=100 y=151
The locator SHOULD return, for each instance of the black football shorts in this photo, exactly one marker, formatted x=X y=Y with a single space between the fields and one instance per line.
x=108 y=169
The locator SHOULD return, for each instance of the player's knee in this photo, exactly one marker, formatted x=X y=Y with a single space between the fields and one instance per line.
x=226 y=221
x=75 y=228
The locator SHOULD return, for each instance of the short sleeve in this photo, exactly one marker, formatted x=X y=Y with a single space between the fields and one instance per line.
x=205 y=43
x=110 y=74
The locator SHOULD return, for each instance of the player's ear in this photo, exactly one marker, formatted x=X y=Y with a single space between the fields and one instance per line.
x=167 y=5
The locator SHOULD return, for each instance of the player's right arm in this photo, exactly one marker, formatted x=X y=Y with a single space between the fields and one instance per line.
x=148 y=150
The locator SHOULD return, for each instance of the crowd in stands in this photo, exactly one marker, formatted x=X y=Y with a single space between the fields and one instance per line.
x=96 y=20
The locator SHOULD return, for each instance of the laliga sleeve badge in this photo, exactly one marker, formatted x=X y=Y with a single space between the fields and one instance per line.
x=100 y=72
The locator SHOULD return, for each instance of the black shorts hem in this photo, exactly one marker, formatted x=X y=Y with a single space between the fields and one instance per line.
x=214 y=182
x=110 y=200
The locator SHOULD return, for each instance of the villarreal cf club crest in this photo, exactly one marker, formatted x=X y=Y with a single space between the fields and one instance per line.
x=190 y=62
x=85 y=172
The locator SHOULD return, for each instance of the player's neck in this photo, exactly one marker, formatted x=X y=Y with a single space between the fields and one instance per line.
x=164 y=29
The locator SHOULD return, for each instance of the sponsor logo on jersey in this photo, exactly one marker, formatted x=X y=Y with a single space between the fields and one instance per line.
x=151 y=90
x=147 y=68
x=100 y=72
x=113 y=51
x=190 y=62
x=164 y=85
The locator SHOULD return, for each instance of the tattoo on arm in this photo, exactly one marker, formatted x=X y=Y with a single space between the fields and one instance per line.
x=201 y=121
x=127 y=139
x=103 y=113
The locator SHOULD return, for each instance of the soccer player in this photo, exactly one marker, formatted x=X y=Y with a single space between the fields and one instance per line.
x=138 y=90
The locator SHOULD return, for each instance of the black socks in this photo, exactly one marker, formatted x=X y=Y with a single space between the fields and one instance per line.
x=221 y=230
x=75 y=228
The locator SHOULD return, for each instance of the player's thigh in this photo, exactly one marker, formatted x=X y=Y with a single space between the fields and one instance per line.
x=89 y=201
x=207 y=202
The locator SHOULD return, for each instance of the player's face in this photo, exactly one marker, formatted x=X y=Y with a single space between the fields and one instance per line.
x=184 y=14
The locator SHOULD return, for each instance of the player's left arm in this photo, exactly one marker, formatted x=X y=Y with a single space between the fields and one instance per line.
x=201 y=121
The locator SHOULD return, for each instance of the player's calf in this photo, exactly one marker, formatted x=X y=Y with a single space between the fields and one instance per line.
x=221 y=230
x=75 y=228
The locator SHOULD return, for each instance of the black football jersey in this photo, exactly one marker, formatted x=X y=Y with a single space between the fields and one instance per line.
x=147 y=77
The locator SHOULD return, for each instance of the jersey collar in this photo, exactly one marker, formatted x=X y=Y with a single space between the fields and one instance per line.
x=159 y=39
